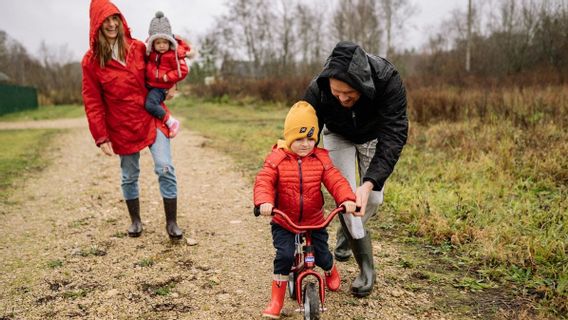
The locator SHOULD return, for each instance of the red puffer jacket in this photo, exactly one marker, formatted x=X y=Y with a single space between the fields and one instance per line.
x=114 y=95
x=293 y=185
x=160 y=64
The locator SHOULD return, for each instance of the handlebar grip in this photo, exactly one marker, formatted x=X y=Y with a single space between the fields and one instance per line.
x=256 y=211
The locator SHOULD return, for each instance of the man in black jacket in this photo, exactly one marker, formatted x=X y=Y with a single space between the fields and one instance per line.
x=361 y=100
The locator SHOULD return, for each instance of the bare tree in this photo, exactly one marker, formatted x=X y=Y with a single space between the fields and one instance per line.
x=357 y=21
x=552 y=36
x=286 y=32
x=395 y=14
x=59 y=79
x=312 y=26
x=469 y=40
x=248 y=22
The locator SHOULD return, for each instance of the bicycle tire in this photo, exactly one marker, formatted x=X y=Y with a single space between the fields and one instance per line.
x=292 y=285
x=311 y=302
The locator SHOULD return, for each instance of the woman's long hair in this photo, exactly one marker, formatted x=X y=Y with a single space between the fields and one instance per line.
x=103 y=48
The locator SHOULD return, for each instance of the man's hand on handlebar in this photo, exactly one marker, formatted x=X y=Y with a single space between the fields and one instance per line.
x=350 y=207
x=266 y=209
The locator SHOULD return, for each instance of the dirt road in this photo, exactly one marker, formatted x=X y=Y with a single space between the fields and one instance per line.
x=65 y=253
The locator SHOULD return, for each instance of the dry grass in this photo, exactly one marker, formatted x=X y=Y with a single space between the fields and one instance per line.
x=526 y=107
x=496 y=190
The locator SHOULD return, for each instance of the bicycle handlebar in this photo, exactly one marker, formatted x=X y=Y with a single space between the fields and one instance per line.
x=324 y=224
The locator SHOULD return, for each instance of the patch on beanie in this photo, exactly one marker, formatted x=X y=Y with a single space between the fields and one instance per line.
x=303 y=129
x=311 y=133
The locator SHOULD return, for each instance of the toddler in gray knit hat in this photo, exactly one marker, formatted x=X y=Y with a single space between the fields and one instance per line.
x=166 y=66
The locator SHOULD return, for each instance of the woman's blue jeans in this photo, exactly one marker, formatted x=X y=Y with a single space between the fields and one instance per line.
x=163 y=167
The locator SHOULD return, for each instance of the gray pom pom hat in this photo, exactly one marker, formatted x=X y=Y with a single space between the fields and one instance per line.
x=160 y=29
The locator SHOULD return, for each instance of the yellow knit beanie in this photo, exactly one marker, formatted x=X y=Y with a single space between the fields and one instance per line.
x=300 y=122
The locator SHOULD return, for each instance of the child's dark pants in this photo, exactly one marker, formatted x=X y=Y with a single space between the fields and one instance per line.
x=153 y=102
x=283 y=241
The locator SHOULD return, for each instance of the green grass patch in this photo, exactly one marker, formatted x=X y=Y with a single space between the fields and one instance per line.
x=94 y=250
x=53 y=264
x=247 y=132
x=120 y=234
x=20 y=153
x=163 y=291
x=494 y=194
x=46 y=113
x=145 y=262
x=75 y=294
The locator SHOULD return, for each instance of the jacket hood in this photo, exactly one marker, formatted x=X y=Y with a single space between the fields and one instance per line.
x=99 y=11
x=349 y=63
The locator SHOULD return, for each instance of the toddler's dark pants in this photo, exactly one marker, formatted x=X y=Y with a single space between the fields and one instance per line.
x=153 y=102
x=283 y=241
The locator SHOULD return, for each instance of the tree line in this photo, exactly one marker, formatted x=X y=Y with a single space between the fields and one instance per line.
x=510 y=42
x=496 y=42
x=274 y=47
x=56 y=76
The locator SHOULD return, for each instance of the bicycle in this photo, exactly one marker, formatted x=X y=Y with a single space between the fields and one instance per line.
x=311 y=301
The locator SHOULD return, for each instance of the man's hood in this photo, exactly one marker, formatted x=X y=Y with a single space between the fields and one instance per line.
x=99 y=11
x=349 y=63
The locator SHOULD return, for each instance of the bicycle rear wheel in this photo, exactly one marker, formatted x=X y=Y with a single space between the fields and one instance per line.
x=311 y=302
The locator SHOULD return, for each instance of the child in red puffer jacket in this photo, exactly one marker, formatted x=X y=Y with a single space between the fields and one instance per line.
x=291 y=180
x=166 y=66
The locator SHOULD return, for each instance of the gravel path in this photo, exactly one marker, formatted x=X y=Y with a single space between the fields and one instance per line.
x=65 y=253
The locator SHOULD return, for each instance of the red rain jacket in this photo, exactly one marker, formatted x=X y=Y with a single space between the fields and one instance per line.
x=293 y=185
x=114 y=95
x=166 y=63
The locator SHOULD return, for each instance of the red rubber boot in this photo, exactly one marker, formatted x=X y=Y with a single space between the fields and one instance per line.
x=332 y=279
x=277 y=302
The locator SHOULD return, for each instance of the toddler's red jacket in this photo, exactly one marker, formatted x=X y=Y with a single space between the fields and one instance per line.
x=293 y=185
x=160 y=64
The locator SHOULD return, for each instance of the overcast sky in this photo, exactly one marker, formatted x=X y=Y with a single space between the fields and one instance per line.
x=66 y=22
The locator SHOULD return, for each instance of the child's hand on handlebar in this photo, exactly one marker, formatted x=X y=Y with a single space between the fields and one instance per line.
x=350 y=207
x=266 y=209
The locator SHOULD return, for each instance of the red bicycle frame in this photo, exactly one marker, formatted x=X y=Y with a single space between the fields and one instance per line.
x=306 y=267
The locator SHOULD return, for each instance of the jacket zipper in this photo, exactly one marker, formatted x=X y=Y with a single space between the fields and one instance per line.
x=354 y=119
x=158 y=56
x=301 y=191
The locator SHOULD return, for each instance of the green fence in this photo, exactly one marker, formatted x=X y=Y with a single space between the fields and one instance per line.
x=16 y=98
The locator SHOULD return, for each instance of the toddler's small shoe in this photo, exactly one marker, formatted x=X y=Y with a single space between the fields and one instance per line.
x=174 y=128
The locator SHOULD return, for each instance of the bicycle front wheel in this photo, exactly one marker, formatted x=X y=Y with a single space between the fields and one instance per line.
x=311 y=302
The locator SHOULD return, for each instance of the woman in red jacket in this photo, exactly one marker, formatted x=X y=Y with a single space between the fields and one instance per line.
x=113 y=95
x=291 y=180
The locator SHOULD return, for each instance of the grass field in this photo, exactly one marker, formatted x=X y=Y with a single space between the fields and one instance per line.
x=492 y=193
x=20 y=153
x=247 y=132
x=46 y=113
x=20 y=150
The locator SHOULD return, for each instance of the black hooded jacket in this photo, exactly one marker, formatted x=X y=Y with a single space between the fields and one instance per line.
x=380 y=112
